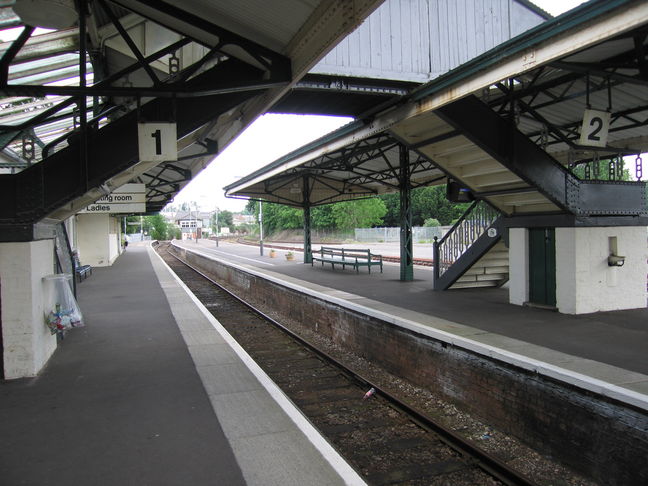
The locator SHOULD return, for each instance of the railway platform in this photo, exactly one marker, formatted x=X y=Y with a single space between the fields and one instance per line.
x=153 y=391
x=604 y=352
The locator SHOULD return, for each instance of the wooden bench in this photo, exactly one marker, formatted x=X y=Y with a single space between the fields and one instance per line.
x=81 y=271
x=347 y=256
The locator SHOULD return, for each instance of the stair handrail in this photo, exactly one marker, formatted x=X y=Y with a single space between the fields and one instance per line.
x=473 y=223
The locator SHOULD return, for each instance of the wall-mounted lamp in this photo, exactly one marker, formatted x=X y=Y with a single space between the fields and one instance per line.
x=616 y=260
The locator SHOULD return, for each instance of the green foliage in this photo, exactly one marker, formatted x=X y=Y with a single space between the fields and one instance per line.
x=427 y=202
x=277 y=217
x=392 y=204
x=322 y=217
x=603 y=172
x=225 y=220
x=363 y=213
x=156 y=226
x=430 y=207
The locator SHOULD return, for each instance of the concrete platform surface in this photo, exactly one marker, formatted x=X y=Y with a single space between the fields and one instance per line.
x=153 y=392
x=603 y=351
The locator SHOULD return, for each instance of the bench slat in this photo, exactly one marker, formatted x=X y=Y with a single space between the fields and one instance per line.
x=354 y=257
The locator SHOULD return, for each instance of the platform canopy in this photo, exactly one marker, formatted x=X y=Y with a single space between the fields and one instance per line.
x=70 y=103
x=505 y=125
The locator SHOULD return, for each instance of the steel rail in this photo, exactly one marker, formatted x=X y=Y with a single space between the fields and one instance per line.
x=465 y=447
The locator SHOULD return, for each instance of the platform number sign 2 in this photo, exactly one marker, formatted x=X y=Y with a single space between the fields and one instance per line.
x=158 y=142
x=595 y=127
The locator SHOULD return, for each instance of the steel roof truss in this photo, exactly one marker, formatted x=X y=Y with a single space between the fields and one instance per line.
x=11 y=53
x=129 y=41
x=277 y=65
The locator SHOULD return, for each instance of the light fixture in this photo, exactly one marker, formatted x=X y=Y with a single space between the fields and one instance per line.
x=616 y=260
x=51 y=14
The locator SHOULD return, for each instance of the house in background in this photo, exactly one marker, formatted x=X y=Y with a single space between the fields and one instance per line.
x=193 y=224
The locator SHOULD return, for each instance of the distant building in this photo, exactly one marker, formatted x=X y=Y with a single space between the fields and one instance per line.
x=193 y=224
x=241 y=219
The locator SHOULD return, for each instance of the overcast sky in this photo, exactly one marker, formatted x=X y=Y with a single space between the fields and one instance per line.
x=272 y=136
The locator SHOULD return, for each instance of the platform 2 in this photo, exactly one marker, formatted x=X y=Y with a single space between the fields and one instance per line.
x=153 y=391
x=603 y=352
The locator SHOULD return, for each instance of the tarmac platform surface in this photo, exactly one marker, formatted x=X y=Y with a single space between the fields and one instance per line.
x=605 y=347
x=152 y=391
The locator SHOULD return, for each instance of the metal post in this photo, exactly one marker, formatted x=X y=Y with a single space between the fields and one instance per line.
x=216 y=227
x=82 y=100
x=406 y=248
x=261 y=228
x=196 y=233
x=437 y=261
x=308 y=251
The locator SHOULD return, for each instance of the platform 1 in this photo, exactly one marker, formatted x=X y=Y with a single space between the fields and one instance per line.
x=154 y=391
x=603 y=352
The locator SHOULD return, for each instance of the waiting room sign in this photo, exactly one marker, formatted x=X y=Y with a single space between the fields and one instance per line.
x=129 y=198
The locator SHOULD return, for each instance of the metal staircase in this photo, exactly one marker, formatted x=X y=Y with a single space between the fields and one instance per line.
x=473 y=253
x=513 y=177
x=486 y=153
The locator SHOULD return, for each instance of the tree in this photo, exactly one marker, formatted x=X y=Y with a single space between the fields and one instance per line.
x=363 y=213
x=322 y=217
x=427 y=202
x=224 y=219
x=392 y=203
x=156 y=226
x=277 y=217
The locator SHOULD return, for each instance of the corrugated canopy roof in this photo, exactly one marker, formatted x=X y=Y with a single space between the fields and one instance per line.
x=542 y=80
x=144 y=50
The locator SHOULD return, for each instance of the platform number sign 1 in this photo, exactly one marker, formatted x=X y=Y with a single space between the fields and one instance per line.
x=594 y=131
x=157 y=141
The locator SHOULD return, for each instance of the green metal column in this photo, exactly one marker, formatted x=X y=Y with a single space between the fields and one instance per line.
x=308 y=252
x=406 y=249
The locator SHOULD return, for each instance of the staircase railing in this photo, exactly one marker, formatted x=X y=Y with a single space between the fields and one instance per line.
x=63 y=254
x=466 y=231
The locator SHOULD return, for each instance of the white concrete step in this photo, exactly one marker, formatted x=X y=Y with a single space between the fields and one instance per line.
x=473 y=285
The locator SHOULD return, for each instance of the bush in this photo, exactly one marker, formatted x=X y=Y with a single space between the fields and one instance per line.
x=431 y=222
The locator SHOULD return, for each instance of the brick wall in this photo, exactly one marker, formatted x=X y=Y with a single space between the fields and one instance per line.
x=597 y=436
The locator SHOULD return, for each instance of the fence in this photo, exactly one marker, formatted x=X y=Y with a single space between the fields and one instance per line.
x=420 y=234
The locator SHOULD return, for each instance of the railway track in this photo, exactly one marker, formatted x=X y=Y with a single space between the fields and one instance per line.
x=383 y=438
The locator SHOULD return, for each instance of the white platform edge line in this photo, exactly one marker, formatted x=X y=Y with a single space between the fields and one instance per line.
x=580 y=380
x=337 y=462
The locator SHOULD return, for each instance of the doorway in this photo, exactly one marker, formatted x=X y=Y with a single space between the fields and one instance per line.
x=542 y=266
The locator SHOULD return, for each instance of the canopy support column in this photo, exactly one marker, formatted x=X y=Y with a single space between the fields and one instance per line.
x=406 y=247
x=308 y=252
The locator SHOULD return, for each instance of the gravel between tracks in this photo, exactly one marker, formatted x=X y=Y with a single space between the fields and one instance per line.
x=543 y=470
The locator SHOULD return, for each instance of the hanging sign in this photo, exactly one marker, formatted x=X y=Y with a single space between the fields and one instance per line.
x=594 y=131
x=129 y=198
x=158 y=142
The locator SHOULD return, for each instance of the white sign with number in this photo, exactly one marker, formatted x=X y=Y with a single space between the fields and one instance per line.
x=594 y=131
x=158 y=142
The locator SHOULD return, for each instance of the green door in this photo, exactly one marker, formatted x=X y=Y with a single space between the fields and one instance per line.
x=542 y=266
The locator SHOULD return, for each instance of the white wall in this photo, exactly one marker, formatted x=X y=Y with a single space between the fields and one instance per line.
x=518 y=266
x=28 y=343
x=584 y=281
x=114 y=243
x=98 y=239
